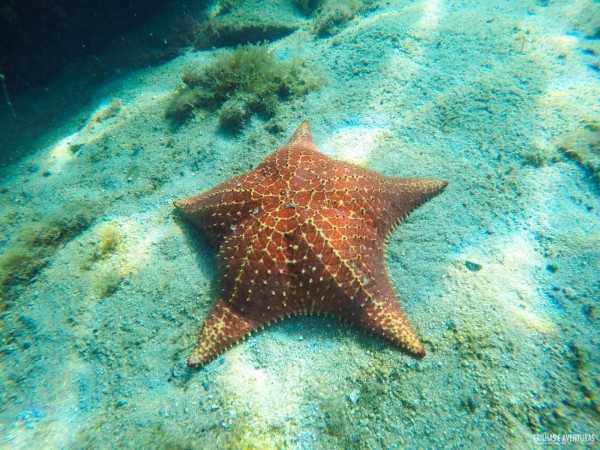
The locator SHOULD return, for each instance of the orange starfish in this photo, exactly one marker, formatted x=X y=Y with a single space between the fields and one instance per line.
x=304 y=234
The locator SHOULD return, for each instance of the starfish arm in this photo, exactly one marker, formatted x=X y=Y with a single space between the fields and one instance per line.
x=396 y=198
x=302 y=133
x=223 y=327
x=377 y=308
x=369 y=301
x=384 y=200
x=385 y=318
x=353 y=282
x=218 y=210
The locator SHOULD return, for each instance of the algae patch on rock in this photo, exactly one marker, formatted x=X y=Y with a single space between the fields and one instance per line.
x=239 y=84
x=333 y=16
x=32 y=246
x=583 y=147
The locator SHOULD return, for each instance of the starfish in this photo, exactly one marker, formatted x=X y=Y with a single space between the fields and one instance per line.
x=304 y=234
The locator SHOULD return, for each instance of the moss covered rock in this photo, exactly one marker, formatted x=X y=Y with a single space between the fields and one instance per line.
x=238 y=84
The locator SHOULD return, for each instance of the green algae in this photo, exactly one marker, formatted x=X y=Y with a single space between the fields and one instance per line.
x=583 y=147
x=248 y=81
x=32 y=247
x=333 y=16
x=106 y=240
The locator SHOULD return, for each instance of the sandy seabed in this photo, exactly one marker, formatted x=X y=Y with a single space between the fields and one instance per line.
x=499 y=274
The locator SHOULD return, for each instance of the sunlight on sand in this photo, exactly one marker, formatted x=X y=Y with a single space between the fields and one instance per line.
x=353 y=143
x=507 y=279
x=108 y=118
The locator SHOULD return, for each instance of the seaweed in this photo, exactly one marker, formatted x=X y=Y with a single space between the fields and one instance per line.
x=239 y=84
x=333 y=15
x=102 y=256
x=106 y=112
x=109 y=237
x=31 y=248
x=583 y=147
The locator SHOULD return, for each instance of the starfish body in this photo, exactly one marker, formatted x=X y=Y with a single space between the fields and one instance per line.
x=304 y=234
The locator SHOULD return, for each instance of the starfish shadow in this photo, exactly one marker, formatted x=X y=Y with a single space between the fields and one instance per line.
x=326 y=330
x=205 y=255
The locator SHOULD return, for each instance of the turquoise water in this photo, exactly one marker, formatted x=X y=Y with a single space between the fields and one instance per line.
x=104 y=287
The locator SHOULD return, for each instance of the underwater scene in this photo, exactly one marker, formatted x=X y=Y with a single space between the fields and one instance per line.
x=300 y=224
